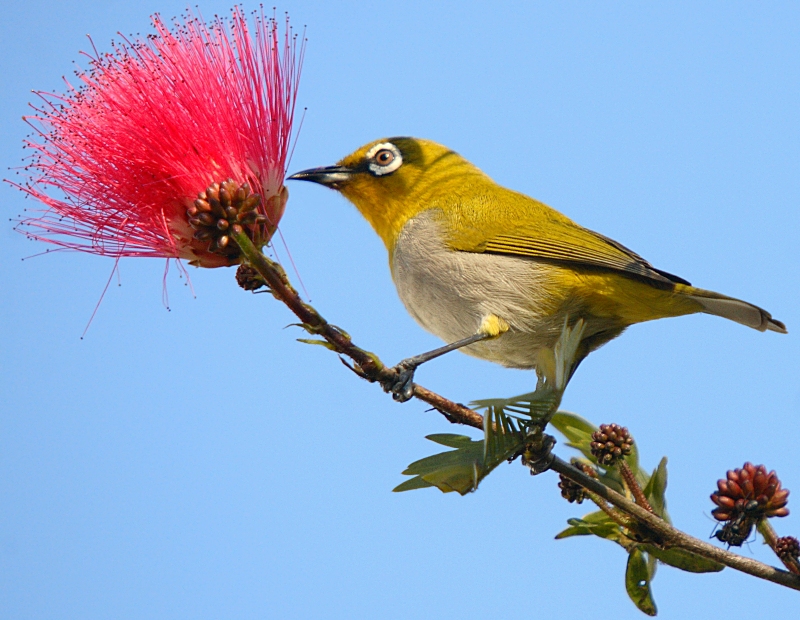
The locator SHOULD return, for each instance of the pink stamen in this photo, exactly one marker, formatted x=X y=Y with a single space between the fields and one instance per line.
x=118 y=160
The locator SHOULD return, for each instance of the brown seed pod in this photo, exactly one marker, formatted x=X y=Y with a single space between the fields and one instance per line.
x=248 y=278
x=571 y=491
x=787 y=548
x=224 y=208
x=611 y=443
x=750 y=490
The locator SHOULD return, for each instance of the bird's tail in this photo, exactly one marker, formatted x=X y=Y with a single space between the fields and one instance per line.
x=733 y=309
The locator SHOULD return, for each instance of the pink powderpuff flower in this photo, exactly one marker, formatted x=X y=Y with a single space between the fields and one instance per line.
x=168 y=142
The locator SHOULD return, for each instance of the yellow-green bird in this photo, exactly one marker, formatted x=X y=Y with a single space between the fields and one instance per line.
x=477 y=263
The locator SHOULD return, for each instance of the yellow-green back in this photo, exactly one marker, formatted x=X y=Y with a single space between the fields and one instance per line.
x=477 y=215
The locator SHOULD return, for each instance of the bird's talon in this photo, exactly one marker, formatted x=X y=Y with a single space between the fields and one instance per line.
x=538 y=454
x=401 y=387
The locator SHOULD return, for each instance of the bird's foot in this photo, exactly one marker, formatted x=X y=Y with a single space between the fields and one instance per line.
x=401 y=385
x=538 y=454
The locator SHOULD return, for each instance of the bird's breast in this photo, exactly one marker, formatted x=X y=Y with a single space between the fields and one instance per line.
x=449 y=293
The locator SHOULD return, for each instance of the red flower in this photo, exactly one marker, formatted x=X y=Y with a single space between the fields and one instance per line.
x=155 y=124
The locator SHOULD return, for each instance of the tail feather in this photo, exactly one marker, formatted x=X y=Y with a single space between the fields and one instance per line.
x=736 y=310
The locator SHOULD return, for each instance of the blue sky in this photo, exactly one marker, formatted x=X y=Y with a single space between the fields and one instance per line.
x=153 y=471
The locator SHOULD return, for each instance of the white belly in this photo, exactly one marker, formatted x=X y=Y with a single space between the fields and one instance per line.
x=449 y=293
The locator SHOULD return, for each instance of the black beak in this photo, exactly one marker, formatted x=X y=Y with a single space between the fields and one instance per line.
x=329 y=176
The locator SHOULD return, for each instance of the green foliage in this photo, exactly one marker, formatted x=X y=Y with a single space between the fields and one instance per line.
x=511 y=426
x=322 y=343
x=313 y=330
x=685 y=560
x=536 y=406
x=471 y=461
x=655 y=490
x=596 y=523
x=506 y=423
x=638 y=575
x=578 y=432
x=456 y=470
x=642 y=557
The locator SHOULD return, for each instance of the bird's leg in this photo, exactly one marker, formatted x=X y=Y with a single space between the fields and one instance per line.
x=402 y=386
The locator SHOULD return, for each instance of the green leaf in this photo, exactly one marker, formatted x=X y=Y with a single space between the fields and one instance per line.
x=412 y=483
x=608 y=532
x=572 y=426
x=450 y=440
x=576 y=530
x=612 y=478
x=471 y=461
x=469 y=453
x=322 y=343
x=637 y=582
x=534 y=405
x=685 y=560
x=656 y=488
x=461 y=477
x=597 y=523
x=456 y=470
x=502 y=438
x=577 y=430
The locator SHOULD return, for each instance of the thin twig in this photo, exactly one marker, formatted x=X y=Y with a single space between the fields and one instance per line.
x=368 y=365
x=672 y=537
x=372 y=369
x=771 y=538
x=616 y=516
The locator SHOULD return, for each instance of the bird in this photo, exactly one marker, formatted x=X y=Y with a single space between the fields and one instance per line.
x=497 y=274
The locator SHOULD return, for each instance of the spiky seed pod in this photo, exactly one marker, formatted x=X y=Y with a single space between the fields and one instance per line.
x=229 y=208
x=571 y=491
x=248 y=278
x=611 y=443
x=752 y=491
x=788 y=548
x=585 y=467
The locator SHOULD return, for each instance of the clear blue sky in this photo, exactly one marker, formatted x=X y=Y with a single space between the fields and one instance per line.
x=147 y=472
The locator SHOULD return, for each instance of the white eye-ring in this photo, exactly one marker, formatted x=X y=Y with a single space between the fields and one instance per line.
x=384 y=158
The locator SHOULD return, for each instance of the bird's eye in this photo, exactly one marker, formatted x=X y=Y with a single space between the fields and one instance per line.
x=383 y=158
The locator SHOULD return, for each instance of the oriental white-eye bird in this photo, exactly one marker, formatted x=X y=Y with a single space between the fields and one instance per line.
x=498 y=273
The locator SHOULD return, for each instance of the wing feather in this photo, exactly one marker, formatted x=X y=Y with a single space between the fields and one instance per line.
x=522 y=226
x=586 y=248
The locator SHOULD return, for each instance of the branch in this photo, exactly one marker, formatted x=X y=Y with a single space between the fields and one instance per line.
x=672 y=537
x=771 y=538
x=369 y=367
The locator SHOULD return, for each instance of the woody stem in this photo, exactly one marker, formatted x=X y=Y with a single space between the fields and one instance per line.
x=372 y=369
x=771 y=538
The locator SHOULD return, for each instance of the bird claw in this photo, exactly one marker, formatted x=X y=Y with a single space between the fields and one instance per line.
x=401 y=386
x=538 y=455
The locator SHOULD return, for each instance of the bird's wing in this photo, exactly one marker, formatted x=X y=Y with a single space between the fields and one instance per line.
x=567 y=244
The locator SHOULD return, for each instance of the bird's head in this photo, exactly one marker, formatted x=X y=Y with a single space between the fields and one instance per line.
x=393 y=179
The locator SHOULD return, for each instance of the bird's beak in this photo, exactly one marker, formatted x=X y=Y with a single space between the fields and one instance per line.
x=330 y=176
